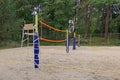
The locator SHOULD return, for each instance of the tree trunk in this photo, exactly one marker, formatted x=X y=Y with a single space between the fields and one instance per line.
x=87 y=20
x=86 y=11
x=107 y=21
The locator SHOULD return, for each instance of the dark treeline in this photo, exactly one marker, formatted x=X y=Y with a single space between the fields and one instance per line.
x=92 y=16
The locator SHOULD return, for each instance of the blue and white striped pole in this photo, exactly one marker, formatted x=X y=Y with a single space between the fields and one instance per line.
x=36 y=43
x=74 y=42
x=36 y=51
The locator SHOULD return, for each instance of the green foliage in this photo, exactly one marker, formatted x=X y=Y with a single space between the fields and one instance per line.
x=57 y=12
x=10 y=24
x=106 y=2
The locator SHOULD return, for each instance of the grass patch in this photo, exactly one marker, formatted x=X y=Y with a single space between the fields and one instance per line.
x=94 y=41
x=99 y=41
x=9 y=44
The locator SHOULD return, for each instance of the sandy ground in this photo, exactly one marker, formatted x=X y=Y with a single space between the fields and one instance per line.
x=85 y=63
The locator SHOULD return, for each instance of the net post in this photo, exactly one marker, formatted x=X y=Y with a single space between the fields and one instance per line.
x=67 y=41
x=74 y=41
x=79 y=40
x=36 y=43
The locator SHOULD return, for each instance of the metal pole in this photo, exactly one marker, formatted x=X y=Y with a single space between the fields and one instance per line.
x=74 y=42
x=67 y=41
x=36 y=43
x=78 y=40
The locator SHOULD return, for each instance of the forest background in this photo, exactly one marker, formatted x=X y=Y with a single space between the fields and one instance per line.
x=97 y=21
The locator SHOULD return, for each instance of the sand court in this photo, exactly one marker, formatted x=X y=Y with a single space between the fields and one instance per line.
x=85 y=63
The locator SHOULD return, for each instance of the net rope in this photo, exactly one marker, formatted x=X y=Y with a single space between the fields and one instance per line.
x=46 y=25
x=55 y=29
x=48 y=40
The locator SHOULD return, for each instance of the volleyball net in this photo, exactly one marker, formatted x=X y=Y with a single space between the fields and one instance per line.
x=51 y=34
x=54 y=35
